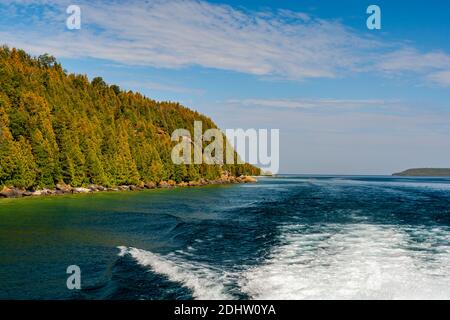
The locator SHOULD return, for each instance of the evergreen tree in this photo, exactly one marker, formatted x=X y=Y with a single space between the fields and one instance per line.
x=57 y=127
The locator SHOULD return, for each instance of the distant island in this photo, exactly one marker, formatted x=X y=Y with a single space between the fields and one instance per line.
x=425 y=172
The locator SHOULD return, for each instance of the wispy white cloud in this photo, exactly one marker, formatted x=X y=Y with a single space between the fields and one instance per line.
x=309 y=103
x=182 y=33
x=158 y=86
x=178 y=33
x=435 y=66
x=441 y=78
x=409 y=59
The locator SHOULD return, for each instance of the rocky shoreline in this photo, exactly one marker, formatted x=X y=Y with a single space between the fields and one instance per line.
x=62 y=189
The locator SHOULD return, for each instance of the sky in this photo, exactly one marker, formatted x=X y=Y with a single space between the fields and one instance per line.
x=346 y=99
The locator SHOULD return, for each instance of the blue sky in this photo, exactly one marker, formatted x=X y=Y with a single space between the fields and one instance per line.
x=347 y=100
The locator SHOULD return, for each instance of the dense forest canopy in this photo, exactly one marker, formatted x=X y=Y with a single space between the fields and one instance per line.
x=57 y=127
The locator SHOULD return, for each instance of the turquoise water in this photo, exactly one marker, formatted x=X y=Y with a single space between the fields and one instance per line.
x=291 y=237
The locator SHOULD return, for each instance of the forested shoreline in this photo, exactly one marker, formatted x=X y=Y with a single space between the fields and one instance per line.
x=60 y=129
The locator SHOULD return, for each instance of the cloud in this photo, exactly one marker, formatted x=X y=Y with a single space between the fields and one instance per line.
x=412 y=60
x=183 y=33
x=434 y=65
x=441 y=78
x=151 y=85
x=308 y=103
x=175 y=34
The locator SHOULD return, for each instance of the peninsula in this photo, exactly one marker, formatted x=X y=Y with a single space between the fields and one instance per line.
x=63 y=133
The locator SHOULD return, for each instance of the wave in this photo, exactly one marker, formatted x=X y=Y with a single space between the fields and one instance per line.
x=353 y=262
x=205 y=282
x=333 y=261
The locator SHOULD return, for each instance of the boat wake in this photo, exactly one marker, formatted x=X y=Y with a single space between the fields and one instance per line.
x=355 y=261
x=205 y=282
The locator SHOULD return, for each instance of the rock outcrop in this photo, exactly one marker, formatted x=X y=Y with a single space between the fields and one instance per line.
x=67 y=189
x=81 y=190
x=11 y=193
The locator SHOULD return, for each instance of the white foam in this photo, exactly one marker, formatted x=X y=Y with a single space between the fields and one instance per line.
x=204 y=281
x=354 y=261
x=358 y=261
x=123 y=251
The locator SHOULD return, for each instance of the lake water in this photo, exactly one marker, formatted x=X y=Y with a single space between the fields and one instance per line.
x=288 y=237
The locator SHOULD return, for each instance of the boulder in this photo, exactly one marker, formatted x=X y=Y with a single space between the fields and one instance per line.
x=48 y=192
x=248 y=179
x=64 y=188
x=81 y=190
x=11 y=193
x=141 y=185
x=37 y=193
x=93 y=187
x=171 y=183
x=136 y=188
x=150 y=185
x=164 y=184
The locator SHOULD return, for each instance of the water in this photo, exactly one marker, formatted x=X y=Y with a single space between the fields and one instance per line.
x=291 y=237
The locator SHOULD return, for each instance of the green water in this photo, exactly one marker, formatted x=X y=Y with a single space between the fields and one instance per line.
x=40 y=237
